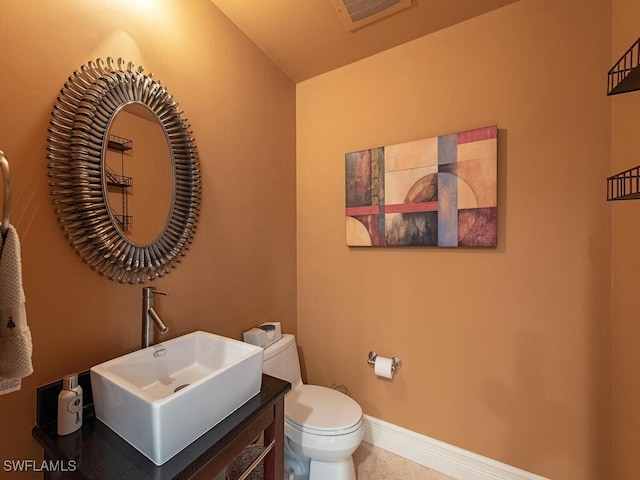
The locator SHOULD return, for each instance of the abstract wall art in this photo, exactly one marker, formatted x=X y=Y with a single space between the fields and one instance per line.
x=439 y=191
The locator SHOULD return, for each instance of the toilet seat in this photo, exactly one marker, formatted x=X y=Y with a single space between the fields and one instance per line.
x=322 y=411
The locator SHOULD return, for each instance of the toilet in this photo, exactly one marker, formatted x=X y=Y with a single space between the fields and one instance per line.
x=322 y=426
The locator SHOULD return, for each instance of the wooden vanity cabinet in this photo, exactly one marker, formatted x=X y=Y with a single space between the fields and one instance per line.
x=95 y=452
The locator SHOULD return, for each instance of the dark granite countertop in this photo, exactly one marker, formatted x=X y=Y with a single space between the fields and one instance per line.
x=96 y=452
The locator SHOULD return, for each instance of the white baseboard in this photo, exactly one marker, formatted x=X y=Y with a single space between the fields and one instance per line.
x=439 y=456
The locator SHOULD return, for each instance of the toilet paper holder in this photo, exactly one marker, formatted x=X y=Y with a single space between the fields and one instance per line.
x=396 y=363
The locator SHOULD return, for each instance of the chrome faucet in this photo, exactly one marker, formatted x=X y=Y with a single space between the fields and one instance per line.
x=150 y=318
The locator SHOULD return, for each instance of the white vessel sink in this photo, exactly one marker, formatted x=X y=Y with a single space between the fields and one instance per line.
x=162 y=398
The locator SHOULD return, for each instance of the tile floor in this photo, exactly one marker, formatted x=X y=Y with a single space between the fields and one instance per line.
x=374 y=463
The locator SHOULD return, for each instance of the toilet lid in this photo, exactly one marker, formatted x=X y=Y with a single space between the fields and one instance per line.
x=321 y=408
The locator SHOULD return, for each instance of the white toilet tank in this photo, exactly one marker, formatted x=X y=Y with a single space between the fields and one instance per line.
x=281 y=360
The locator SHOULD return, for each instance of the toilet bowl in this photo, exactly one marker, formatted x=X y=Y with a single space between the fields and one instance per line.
x=322 y=427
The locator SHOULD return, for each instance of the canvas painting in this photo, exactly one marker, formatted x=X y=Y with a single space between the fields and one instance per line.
x=439 y=192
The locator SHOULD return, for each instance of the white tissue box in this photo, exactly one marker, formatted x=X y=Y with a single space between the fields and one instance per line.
x=263 y=335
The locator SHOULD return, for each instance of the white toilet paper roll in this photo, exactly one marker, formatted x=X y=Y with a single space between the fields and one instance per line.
x=383 y=367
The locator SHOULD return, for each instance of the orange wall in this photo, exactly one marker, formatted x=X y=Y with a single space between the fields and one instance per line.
x=240 y=269
x=506 y=352
x=625 y=258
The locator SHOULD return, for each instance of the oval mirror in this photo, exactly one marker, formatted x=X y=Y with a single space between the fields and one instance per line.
x=137 y=174
x=90 y=109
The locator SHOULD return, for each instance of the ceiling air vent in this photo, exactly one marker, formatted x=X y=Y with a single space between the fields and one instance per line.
x=358 y=13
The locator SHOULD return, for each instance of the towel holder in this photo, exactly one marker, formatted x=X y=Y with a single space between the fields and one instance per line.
x=6 y=205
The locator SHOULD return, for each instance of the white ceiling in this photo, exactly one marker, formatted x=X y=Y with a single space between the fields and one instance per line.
x=306 y=37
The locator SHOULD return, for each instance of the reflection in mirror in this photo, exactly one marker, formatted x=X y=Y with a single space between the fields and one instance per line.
x=138 y=174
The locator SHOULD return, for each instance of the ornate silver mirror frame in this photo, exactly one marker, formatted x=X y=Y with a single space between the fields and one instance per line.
x=78 y=132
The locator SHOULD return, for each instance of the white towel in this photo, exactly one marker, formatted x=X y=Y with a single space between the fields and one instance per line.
x=15 y=336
